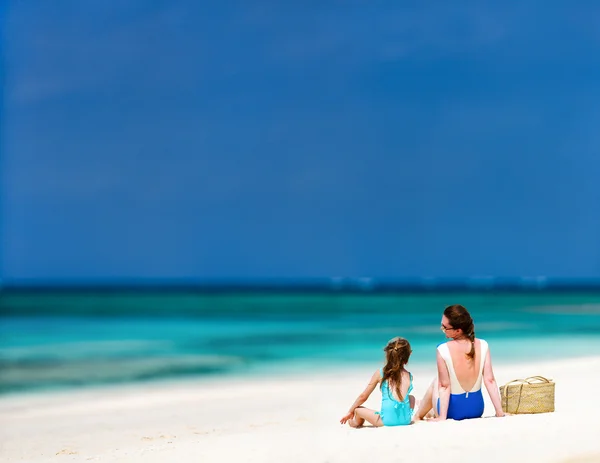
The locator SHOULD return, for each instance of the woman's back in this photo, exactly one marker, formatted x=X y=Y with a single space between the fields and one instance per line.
x=467 y=371
x=465 y=375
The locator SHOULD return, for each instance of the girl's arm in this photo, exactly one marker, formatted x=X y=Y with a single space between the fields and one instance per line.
x=443 y=387
x=364 y=395
x=490 y=384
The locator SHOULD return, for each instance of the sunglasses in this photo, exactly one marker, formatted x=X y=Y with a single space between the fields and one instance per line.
x=445 y=328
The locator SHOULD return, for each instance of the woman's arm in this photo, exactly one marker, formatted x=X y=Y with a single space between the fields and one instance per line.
x=362 y=398
x=443 y=387
x=490 y=384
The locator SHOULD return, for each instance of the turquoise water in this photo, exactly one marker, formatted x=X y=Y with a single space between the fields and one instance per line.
x=69 y=339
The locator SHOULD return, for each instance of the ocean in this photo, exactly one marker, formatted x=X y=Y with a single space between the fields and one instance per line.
x=72 y=338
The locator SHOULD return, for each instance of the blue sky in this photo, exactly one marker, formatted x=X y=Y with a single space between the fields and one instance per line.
x=180 y=139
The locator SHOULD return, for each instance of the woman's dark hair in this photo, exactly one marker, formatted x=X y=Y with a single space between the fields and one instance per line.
x=397 y=353
x=460 y=318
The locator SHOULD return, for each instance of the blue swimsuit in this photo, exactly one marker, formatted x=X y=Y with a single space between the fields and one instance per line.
x=463 y=404
x=393 y=412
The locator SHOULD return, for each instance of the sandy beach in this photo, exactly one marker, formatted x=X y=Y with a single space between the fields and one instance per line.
x=292 y=419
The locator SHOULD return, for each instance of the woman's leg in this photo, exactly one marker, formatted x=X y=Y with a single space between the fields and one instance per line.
x=362 y=414
x=427 y=401
x=434 y=400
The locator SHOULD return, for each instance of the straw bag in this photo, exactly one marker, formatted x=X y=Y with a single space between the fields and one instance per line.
x=531 y=395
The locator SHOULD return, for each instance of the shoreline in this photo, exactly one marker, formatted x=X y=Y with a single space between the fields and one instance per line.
x=320 y=371
x=292 y=418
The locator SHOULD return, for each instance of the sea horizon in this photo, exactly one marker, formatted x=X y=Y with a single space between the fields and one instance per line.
x=362 y=284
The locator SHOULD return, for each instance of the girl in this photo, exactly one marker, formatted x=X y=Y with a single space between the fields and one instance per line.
x=396 y=385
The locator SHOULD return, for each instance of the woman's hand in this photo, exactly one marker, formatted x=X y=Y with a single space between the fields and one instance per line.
x=347 y=417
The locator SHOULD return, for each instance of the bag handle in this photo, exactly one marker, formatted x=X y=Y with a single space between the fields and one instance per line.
x=539 y=378
x=529 y=380
x=505 y=393
x=518 y=381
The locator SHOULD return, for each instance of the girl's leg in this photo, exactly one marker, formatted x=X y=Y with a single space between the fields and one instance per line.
x=362 y=414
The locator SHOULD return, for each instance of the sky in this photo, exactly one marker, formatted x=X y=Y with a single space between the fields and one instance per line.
x=258 y=139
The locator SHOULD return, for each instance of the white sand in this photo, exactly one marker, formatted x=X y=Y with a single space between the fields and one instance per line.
x=293 y=420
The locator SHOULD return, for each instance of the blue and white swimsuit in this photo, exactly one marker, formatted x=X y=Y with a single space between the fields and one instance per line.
x=464 y=404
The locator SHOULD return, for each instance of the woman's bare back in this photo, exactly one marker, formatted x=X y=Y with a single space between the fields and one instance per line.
x=466 y=369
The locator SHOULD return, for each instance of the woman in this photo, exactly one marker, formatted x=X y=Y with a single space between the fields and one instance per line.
x=463 y=363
